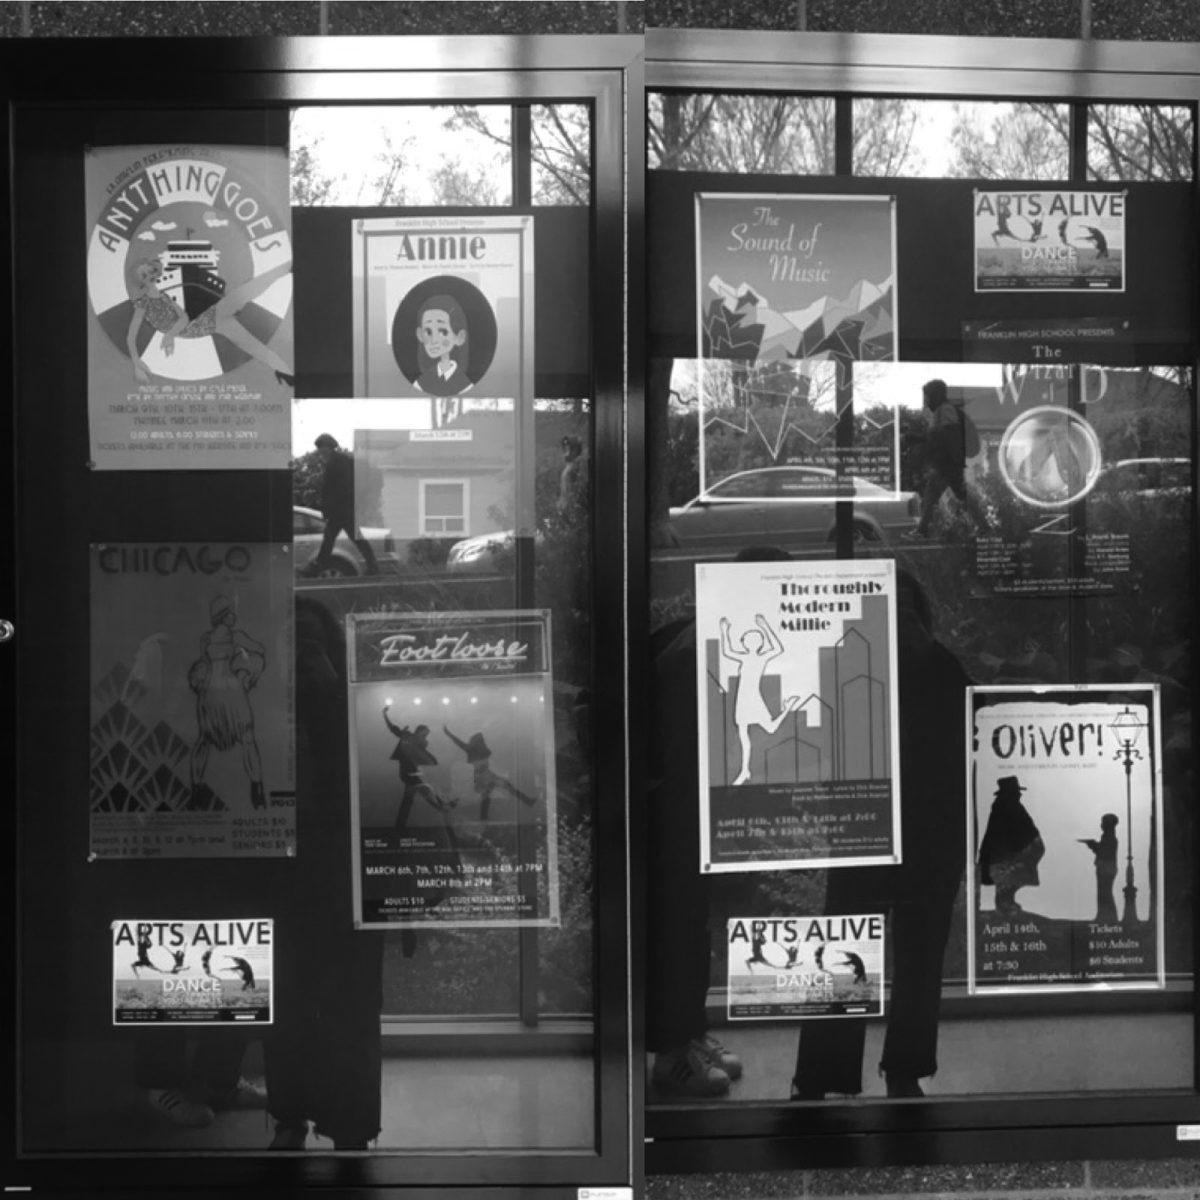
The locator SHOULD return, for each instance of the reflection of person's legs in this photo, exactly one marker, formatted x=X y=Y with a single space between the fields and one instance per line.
x=931 y=493
x=920 y=928
x=829 y=1055
x=967 y=498
x=160 y=1066
x=325 y=552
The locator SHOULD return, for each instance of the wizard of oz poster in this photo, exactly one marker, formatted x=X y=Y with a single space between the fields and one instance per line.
x=1064 y=865
x=792 y=291
x=796 y=690
x=189 y=275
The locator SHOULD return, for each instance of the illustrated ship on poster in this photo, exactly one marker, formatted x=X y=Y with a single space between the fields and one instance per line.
x=190 y=275
x=739 y=323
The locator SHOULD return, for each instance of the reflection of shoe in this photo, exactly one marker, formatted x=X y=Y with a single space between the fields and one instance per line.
x=289 y=1135
x=175 y=1107
x=719 y=1056
x=901 y=1087
x=804 y=1091
x=242 y=1096
x=688 y=1071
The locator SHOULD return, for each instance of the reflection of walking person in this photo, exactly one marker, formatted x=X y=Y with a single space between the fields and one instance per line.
x=337 y=506
x=222 y=678
x=945 y=459
x=412 y=753
x=919 y=893
x=158 y=310
x=486 y=781
x=759 y=647
x=1105 y=851
x=1011 y=847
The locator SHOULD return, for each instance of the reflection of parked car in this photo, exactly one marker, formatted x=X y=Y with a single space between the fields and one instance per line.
x=308 y=527
x=768 y=505
x=1147 y=477
x=486 y=552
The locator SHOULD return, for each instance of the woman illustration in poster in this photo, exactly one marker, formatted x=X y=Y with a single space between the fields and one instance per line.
x=155 y=307
x=486 y=781
x=412 y=753
x=759 y=647
x=1105 y=851
x=222 y=678
x=1011 y=848
x=442 y=334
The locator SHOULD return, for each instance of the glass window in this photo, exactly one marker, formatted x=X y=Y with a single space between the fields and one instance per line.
x=444 y=506
x=1141 y=141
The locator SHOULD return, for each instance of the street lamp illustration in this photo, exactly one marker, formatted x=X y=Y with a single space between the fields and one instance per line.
x=1127 y=725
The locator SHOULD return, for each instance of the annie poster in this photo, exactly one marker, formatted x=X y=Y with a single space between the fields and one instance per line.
x=192 y=701
x=189 y=274
x=796 y=684
x=792 y=290
x=1049 y=241
x=805 y=967
x=1064 y=874
x=443 y=307
x=453 y=794
x=217 y=972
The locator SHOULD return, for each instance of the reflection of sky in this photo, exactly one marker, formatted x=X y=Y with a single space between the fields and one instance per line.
x=1066 y=805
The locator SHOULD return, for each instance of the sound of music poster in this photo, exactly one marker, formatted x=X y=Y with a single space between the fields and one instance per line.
x=793 y=291
x=1064 y=820
x=453 y=792
x=192 y=701
x=796 y=686
x=189 y=275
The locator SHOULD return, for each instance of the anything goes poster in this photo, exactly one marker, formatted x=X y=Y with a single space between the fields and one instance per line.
x=453 y=794
x=1064 y=838
x=796 y=687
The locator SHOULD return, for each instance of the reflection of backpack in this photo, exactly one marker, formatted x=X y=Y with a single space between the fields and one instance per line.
x=971 y=442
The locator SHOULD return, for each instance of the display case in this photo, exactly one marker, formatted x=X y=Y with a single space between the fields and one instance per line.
x=322 y=371
x=921 y=449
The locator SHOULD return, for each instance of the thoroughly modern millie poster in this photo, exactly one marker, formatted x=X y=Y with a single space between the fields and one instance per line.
x=189 y=274
x=796 y=684
x=1049 y=241
x=791 y=290
x=443 y=307
x=453 y=804
x=192 y=709
x=1064 y=818
x=216 y=972
x=805 y=967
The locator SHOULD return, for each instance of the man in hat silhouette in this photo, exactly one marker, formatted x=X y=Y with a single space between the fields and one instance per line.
x=1011 y=848
x=337 y=506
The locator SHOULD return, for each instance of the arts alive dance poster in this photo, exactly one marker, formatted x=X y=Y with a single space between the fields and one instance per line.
x=796 y=687
x=1049 y=241
x=443 y=307
x=1064 y=874
x=805 y=967
x=453 y=794
x=192 y=701
x=216 y=972
x=791 y=290
x=189 y=274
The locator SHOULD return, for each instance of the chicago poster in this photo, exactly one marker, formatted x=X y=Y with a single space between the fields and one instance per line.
x=796 y=687
x=453 y=795
x=192 y=702
x=1064 y=818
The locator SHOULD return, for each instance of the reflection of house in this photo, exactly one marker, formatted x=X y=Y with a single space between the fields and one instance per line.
x=452 y=482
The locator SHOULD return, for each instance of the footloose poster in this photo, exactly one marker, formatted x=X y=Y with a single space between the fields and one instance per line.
x=192 y=701
x=1064 y=875
x=805 y=967
x=189 y=274
x=1049 y=241
x=453 y=804
x=443 y=307
x=216 y=972
x=791 y=289
x=796 y=687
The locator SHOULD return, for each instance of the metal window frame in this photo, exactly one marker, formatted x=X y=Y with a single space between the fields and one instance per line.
x=604 y=72
x=720 y=1136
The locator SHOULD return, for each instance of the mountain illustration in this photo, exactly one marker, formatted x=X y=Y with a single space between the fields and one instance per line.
x=739 y=323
